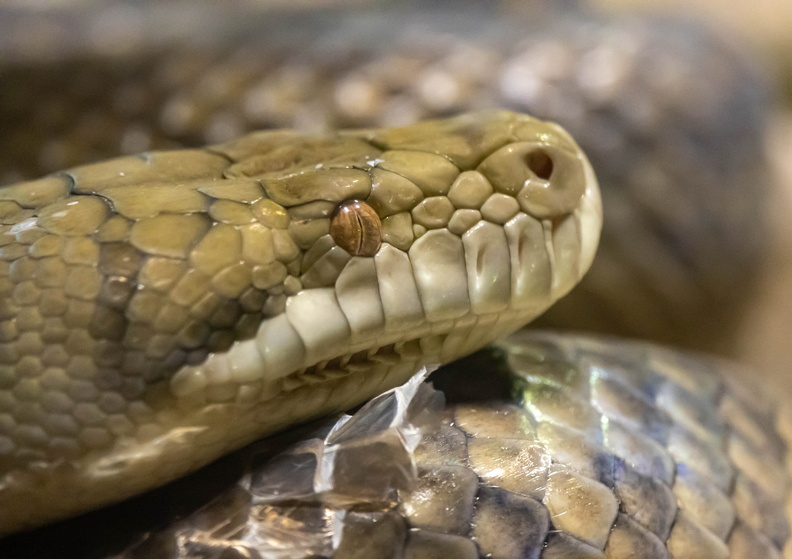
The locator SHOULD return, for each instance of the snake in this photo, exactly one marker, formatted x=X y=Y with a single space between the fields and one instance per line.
x=187 y=389
x=161 y=310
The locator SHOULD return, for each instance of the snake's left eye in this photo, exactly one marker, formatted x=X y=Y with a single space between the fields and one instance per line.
x=356 y=228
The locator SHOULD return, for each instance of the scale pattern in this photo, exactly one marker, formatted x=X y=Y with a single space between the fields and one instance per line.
x=605 y=449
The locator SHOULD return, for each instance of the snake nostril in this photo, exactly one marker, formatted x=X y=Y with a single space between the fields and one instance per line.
x=546 y=178
x=356 y=228
x=540 y=163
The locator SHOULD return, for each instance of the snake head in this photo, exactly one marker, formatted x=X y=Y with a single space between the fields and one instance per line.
x=163 y=309
x=424 y=243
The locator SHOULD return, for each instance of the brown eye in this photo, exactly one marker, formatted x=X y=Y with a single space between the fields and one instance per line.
x=356 y=228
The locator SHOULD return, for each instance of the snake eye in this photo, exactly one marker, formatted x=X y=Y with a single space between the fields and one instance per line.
x=356 y=228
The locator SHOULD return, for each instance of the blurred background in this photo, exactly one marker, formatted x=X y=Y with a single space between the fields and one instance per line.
x=683 y=108
x=761 y=30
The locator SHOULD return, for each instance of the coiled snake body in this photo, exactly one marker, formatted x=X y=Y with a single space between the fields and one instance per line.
x=160 y=310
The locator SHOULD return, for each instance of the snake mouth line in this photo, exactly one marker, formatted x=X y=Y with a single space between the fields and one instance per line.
x=359 y=362
x=346 y=365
